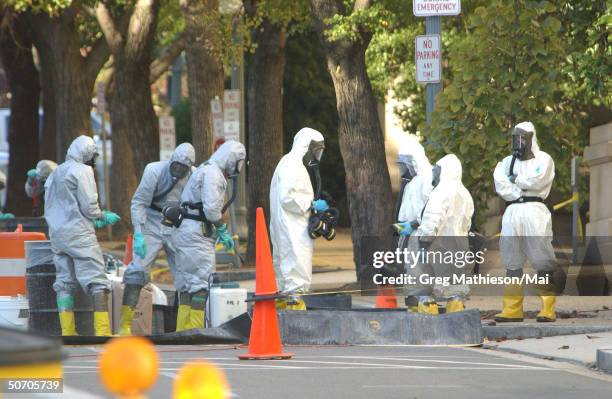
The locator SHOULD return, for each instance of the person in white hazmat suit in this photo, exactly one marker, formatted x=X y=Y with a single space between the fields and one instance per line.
x=291 y=202
x=2 y=187
x=416 y=170
x=524 y=180
x=72 y=212
x=161 y=185
x=35 y=183
x=445 y=224
x=195 y=240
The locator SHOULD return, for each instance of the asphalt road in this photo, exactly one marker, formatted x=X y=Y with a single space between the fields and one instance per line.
x=356 y=372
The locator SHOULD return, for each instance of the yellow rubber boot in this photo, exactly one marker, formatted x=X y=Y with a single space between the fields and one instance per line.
x=412 y=304
x=547 y=314
x=125 y=326
x=297 y=304
x=196 y=319
x=182 y=317
x=428 y=305
x=455 y=305
x=68 y=324
x=102 y=324
x=512 y=305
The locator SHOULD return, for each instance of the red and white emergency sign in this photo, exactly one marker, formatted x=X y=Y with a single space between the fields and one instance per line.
x=430 y=8
x=428 y=59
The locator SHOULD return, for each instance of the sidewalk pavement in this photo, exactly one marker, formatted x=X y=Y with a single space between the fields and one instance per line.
x=577 y=349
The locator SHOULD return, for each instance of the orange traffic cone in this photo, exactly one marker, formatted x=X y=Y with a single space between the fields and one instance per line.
x=264 y=342
x=385 y=297
x=127 y=256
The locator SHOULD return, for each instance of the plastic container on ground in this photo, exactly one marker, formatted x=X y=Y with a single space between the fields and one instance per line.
x=40 y=276
x=14 y=312
x=225 y=302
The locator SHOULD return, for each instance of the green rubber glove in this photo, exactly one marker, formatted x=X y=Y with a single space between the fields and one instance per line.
x=225 y=238
x=31 y=173
x=110 y=217
x=140 y=246
x=98 y=224
x=5 y=216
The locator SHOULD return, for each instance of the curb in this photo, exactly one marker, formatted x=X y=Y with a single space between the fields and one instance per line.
x=604 y=359
x=539 y=356
x=493 y=333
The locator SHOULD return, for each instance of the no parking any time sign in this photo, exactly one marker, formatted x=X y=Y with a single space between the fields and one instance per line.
x=428 y=59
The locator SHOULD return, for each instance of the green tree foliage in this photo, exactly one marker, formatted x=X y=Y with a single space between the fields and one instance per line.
x=513 y=63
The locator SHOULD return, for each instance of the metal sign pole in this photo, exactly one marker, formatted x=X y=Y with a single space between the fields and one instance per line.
x=432 y=27
x=575 y=210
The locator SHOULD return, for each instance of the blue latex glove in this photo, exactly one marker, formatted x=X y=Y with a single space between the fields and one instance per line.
x=110 y=218
x=139 y=245
x=31 y=173
x=405 y=228
x=320 y=205
x=225 y=238
x=5 y=216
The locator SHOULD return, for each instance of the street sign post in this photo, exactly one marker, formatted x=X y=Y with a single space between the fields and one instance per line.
x=167 y=137
x=430 y=8
x=231 y=114
x=217 y=117
x=101 y=107
x=429 y=66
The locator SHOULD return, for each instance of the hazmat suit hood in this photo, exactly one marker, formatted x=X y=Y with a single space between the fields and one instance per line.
x=185 y=154
x=302 y=141
x=528 y=127
x=228 y=156
x=412 y=154
x=451 y=170
x=44 y=168
x=82 y=149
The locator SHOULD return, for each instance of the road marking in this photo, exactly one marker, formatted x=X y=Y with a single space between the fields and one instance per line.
x=434 y=361
x=414 y=386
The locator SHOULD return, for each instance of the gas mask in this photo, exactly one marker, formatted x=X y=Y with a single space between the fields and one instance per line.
x=435 y=175
x=178 y=170
x=237 y=169
x=521 y=144
x=92 y=161
x=406 y=167
x=314 y=153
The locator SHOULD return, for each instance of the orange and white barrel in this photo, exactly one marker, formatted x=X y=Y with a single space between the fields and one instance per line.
x=13 y=260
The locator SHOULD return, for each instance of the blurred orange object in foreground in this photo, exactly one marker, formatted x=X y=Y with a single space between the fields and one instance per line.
x=201 y=380
x=128 y=366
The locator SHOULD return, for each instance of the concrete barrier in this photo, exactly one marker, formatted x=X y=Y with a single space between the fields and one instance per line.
x=353 y=327
x=604 y=359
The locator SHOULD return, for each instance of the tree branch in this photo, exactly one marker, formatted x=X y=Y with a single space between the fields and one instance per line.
x=141 y=26
x=98 y=56
x=107 y=24
x=163 y=62
x=361 y=5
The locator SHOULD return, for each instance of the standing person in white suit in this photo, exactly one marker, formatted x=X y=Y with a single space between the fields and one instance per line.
x=291 y=202
x=524 y=180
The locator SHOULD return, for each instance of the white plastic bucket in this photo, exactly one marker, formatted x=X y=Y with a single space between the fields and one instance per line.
x=14 y=312
x=224 y=304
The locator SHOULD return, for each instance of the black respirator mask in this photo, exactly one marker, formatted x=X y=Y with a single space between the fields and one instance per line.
x=435 y=175
x=521 y=144
x=314 y=153
x=178 y=170
x=92 y=161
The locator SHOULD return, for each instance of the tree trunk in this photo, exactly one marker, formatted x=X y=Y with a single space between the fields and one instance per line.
x=70 y=78
x=23 y=81
x=360 y=136
x=205 y=75
x=134 y=123
x=265 y=119
x=135 y=135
